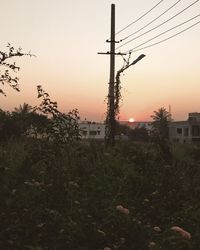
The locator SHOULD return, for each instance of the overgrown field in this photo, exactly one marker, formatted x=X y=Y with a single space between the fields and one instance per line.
x=87 y=197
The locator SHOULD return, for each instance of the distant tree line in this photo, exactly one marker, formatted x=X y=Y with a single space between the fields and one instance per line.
x=45 y=119
x=16 y=123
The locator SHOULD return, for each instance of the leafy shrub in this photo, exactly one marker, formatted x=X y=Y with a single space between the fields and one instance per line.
x=69 y=197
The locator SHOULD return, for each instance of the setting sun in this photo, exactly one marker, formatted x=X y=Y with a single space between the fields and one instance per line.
x=131 y=120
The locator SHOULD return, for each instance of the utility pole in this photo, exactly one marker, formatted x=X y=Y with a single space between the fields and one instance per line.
x=110 y=119
x=112 y=98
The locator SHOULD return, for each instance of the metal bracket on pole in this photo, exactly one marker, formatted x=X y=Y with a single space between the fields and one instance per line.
x=109 y=53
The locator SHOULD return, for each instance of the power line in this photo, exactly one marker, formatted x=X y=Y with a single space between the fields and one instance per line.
x=180 y=12
x=172 y=6
x=165 y=32
x=140 y=17
x=166 y=39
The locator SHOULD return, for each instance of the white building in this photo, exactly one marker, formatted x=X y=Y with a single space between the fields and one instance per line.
x=92 y=130
x=186 y=131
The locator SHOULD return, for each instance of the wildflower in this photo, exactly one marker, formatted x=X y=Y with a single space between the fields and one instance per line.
x=182 y=232
x=152 y=244
x=74 y=184
x=40 y=225
x=155 y=192
x=157 y=229
x=116 y=246
x=13 y=191
x=122 y=240
x=101 y=232
x=49 y=185
x=122 y=209
x=37 y=184
x=28 y=183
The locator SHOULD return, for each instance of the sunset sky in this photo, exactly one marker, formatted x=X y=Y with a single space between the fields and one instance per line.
x=66 y=36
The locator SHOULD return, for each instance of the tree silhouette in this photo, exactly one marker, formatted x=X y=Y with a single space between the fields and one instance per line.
x=6 y=77
x=23 y=109
x=160 y=132
x=63 y=127
x=160 y=123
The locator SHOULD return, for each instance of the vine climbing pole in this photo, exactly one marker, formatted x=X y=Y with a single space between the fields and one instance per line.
x=110 y=119
x=113 y=96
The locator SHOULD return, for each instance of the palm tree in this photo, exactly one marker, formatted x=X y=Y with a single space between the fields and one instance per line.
x=26 y=117
x=160 y=132
x=23 y=109
x=22 y=117
x=160 y=123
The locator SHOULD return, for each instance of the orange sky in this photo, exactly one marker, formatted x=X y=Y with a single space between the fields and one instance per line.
x=66 y=36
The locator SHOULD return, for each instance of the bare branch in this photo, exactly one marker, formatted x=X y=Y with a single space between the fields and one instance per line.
x=4 y=57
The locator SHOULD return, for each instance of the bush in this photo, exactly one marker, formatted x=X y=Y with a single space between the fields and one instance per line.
x=89 y=197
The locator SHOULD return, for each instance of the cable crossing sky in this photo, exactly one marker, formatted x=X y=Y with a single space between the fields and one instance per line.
x=166 y=21
x=172 y=6
x=139 y=17
x=166 y=39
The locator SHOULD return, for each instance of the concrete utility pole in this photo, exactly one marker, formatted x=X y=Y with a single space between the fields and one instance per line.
x=110 y=119
x=111 y=112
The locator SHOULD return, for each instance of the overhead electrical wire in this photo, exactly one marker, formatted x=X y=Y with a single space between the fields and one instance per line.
x=139 y=17
x=135 y=48
x=168 y=38
x=172 y=6
x=180 y=12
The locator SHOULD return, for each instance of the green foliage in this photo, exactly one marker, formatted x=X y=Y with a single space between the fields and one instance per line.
x=22 y=121
x=122 y=129
x=160 y=124
x=62 y=127
x=160 y=133
x=43 y=122
x=139 y=134
x=66 y=197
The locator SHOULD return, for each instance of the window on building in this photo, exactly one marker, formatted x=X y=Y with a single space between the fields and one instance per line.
x=195 y=130
x=84 y=132
x=186 y=131
x=196 y=139
x=98 y=132
x=93 y=132
x=179 y=131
